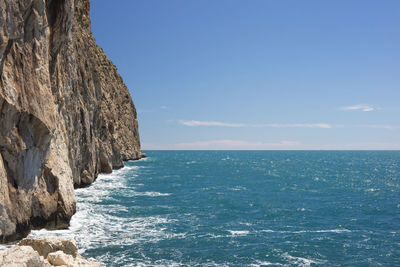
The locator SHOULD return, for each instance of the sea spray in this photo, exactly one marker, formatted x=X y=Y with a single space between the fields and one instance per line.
x=243 y=208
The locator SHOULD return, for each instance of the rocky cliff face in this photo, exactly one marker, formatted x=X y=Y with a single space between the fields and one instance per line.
x=65 y=113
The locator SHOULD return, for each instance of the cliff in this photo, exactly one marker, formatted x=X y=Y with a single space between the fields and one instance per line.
x=65 y=113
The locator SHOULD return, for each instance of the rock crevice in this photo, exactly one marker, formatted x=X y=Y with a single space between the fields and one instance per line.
x=65 y=113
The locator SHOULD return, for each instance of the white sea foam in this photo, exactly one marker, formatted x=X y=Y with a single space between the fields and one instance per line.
x=141 y=159
x=237 y=188
x=268 y=231
x=97 y=223
x=238 y=233
x=151 y=194
x=128 y=261
x=337 y=231
x=226 y=158
x=6 y=246
x=265 y=263
x=371 y=190
x=299 y=261
x=215 y=236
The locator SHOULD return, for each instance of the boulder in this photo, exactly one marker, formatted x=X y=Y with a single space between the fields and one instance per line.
x=21 y=256
x=48 y=245
x=44 y=252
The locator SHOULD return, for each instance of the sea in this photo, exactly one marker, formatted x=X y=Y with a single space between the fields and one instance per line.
x=243 y=208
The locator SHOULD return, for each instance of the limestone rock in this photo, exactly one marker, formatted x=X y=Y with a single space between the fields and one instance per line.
x=65 y=113
x=59 y=258
x=21 y=256
x=51 y=244
x=45 y=252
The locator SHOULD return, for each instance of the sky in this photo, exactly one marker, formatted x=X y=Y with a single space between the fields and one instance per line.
x=258 y=74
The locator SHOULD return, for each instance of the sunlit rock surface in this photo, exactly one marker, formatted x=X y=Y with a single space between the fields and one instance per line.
x=65 y=113
x=44 y=252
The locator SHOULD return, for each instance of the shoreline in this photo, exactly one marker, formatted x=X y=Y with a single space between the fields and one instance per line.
x=18 y=236
x=44 y=252
x=12 y=248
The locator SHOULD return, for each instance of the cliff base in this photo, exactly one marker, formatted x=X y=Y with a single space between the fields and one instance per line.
x=44 y=253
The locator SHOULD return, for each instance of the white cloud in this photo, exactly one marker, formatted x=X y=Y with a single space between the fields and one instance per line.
x=227 y=144
x=210 y=123
x=272 y=125
x=357 y=146
x=236 y=145
x=296 y=125
x=362 y=107
x=380 y=126
x=163 y=107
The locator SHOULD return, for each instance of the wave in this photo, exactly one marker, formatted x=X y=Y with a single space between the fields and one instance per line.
x=102 y=219
x=265 y=263
x=337 y=231
x=151 y=194
x=238 y=233
x=299 y=261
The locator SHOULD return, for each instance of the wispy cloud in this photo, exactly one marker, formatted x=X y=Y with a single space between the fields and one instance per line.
x=163 y=107
x=362 y=107
x=236 y=144
x=271 y=125
x=210 y=123
x=227 y=144
x=295 y=125
x=379 y=126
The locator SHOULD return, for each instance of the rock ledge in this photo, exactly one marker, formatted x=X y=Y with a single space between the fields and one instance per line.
x=45 y=252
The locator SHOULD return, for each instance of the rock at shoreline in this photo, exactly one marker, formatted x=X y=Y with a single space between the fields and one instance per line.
x=44 y=252
x=21 y=256
x=51 y=244
x=65 y=113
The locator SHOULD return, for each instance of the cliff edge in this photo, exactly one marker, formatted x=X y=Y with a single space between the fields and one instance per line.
x=65 y=113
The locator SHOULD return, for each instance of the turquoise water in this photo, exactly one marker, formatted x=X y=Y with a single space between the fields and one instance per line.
x=244 y=208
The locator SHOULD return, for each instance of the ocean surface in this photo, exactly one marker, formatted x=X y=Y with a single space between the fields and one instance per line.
x=243 y=208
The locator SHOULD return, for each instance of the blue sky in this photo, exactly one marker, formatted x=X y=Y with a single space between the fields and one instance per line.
x=258 y=74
